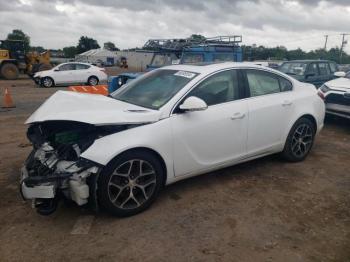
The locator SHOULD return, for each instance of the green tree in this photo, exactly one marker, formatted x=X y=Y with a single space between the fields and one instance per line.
x=69 y=51
x=110 y=46
x=86 y=43
x=197 y=37
x=18 y=34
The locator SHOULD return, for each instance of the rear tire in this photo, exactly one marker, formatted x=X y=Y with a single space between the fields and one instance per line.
x=47 y=82
x=93 y=80
x=9 y=71
x=130 y=183
x=299 y=141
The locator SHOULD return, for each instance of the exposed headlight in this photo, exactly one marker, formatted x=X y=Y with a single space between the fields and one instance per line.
x=324 y=88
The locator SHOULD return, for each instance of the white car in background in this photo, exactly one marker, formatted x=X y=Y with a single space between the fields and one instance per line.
x=71 y=73
x=167 y=125
x=336 y=95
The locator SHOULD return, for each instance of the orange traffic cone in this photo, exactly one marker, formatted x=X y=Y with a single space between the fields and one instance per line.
x=8 y=103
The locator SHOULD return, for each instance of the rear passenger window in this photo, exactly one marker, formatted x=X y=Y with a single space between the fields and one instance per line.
x=285 y=84
x=81 y=67
x=324 y=69
x=262 y=83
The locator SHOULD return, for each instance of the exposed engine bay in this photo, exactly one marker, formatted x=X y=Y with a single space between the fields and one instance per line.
x=55 y=170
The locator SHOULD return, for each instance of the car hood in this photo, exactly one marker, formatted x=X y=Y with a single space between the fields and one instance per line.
x=339 y=83
x=91 y=109
x=40 y=73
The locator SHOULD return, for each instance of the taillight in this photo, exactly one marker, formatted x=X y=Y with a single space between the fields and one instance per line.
x=320 y=94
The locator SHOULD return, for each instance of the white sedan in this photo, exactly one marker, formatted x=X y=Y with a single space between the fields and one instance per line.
x=167 y=125
x=71 y=73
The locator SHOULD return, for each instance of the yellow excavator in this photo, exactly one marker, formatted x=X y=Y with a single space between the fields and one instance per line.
x=15 y=60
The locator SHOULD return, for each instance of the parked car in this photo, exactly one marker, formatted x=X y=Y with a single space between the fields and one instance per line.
x=115 y=82
x=336 y=94
x=315 y=72
x=71 y=73
x=166 y=125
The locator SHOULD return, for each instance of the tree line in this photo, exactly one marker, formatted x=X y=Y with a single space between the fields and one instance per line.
x=84 y=44
x=250 y=53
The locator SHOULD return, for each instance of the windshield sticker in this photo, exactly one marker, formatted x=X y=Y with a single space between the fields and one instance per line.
x=185 y=74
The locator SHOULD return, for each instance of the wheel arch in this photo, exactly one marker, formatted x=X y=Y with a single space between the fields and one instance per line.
x=304 y=115
x=311 y=118
x=146 y=150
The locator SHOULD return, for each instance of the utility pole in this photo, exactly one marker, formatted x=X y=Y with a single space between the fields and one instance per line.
x=343 y=43
x=325 y=43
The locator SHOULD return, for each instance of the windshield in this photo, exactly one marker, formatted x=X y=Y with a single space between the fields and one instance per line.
x=154 y=89
x=294 y=68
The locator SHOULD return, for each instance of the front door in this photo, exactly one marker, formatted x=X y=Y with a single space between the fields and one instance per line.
x=65 y=74
x=214 y=137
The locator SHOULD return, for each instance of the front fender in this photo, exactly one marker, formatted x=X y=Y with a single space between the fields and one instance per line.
x=156 y=136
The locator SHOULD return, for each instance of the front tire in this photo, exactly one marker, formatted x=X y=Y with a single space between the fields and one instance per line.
x=299 y=141
x=47 y=82
x=130 y=183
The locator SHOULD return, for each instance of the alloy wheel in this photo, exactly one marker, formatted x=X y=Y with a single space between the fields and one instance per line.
x=47 y=82
x=302 y=140
x=132 y=184
x=93 y=81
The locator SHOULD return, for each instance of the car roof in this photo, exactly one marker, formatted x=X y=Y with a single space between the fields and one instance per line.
x=209 y=68
x=307 y=61
x=67 y=63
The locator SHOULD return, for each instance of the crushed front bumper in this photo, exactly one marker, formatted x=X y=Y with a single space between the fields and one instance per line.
x=38 y=191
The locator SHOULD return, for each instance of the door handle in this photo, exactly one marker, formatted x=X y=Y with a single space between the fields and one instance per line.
x=237 y=116
x=287 y=103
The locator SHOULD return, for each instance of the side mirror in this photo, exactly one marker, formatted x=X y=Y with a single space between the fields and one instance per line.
x=339 y=74
x=193 y=103
x=56 y=70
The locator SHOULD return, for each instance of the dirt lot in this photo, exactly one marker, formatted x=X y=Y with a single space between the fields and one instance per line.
x=265 y=210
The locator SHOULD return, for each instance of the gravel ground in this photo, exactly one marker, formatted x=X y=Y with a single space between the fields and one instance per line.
x=264 y=210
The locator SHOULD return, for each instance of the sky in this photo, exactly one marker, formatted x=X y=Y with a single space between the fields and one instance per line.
x=130 y=23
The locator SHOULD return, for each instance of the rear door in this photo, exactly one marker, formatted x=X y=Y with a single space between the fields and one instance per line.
x=270 y=107
x=325 y=73
x=81 y=73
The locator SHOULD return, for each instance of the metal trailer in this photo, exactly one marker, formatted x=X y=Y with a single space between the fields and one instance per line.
x=189 y=51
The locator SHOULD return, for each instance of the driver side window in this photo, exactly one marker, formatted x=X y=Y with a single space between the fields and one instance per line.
x=219 y=88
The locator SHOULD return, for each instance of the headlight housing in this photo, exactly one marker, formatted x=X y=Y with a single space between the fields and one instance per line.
x=324 y=88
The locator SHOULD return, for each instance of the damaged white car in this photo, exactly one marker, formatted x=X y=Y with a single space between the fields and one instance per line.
x=117 y=152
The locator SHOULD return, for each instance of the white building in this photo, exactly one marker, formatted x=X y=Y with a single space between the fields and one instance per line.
x=98 y=56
